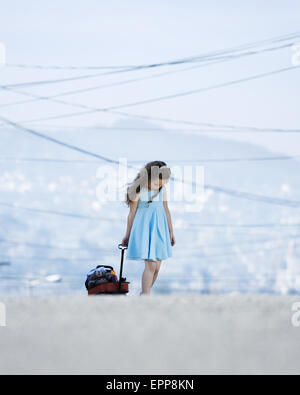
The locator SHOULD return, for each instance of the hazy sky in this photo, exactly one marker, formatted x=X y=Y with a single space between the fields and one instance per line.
x=117 y=32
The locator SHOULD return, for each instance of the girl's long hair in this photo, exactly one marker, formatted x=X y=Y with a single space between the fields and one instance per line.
x=144 y=176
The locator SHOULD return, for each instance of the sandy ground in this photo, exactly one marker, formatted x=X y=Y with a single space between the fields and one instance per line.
x=150 y=335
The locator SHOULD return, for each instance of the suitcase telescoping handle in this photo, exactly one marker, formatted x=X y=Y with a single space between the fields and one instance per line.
x=122 y=248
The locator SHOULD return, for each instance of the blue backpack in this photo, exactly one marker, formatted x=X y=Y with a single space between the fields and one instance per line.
x=102 y=274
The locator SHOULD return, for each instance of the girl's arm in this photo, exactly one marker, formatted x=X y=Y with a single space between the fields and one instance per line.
x=168 y=214
x=131 y=215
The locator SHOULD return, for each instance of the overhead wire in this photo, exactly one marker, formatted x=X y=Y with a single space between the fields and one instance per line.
x=177 y=161
x=218 y=189
x=119 y=83
x=205 y=56
x=91 y=110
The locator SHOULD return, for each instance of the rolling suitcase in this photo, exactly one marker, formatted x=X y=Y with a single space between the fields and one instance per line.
x=118 y=287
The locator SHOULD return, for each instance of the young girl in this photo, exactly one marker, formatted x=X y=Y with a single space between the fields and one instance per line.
x=149 y=235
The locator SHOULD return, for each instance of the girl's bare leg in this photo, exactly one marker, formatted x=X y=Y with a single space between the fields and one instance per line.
x=147 y=278
x=158 y=263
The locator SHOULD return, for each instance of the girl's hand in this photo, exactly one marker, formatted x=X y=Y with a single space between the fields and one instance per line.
x=125 y=241
x=172 y=237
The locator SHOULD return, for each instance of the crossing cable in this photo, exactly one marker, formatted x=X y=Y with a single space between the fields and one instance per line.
x=203 y=56
x=49 y=246
x=185 y=227
x=181 y=161
x=202 y=256
x=199 y=246
x=226 y=191
x=89 y=76
x=91 y=110
x=119 y=83
x=53 y=212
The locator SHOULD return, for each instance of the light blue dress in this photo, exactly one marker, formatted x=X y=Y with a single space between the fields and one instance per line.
x=150 y=238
